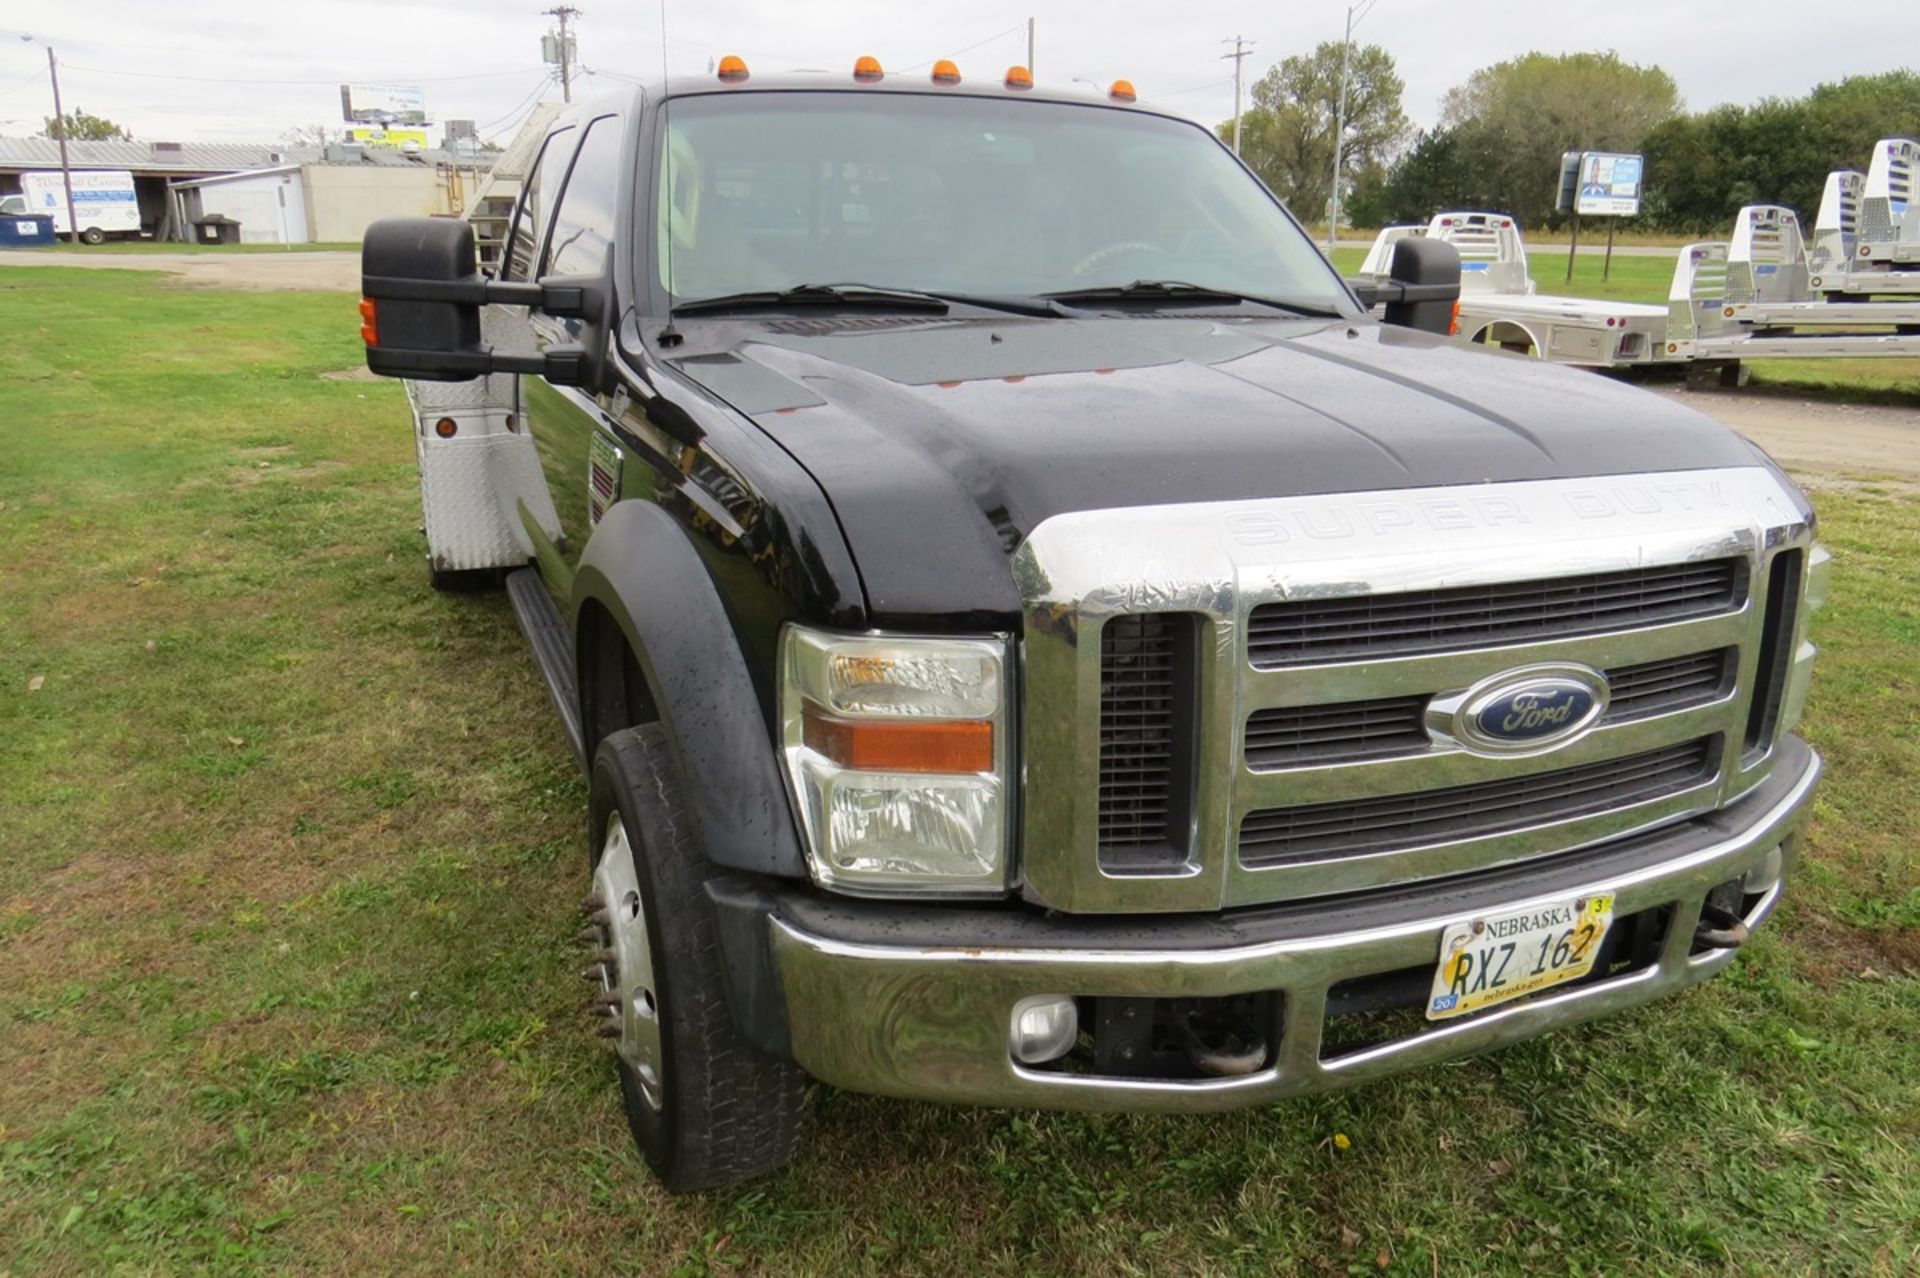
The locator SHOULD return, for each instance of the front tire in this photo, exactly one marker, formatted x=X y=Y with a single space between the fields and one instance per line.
x=706 y=1108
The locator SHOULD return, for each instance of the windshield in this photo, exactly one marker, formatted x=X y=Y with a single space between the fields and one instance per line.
x=766 y=191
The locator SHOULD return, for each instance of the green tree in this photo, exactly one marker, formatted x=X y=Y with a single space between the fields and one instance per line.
x=1286 y=135
x=78 y=126
x=1535 y=107
x=1456 y=168
x=1702 y=168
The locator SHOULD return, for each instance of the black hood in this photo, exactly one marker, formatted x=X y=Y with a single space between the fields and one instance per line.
x=942 y=443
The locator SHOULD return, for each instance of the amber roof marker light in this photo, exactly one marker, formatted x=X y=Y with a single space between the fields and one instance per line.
x=733 y=69
x=867 y=70
x=1122 y=91
x=945 y=72
x=1019 y=78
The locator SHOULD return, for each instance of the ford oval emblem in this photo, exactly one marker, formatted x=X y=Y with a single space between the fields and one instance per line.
x=1533 y=708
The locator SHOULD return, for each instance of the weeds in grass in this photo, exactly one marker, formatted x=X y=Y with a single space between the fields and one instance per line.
x=291 y=853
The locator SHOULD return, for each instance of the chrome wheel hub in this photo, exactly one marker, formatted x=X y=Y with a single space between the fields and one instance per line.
x=627 y=998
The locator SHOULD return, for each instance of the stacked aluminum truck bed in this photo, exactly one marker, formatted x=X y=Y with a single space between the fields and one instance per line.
x=1764 y=293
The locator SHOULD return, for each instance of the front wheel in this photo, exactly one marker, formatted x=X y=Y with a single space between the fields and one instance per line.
x=705 y=1107
x=93 y=235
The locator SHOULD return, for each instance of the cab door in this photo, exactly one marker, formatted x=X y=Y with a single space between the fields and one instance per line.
x=519 y=484
x=579 y=455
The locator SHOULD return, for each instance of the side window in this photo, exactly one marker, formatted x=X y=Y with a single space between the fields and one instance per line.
x=584 y=219
x=524 y=240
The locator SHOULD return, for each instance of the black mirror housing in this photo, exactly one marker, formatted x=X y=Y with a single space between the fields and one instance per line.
x=417 y=330
x=1428 y=274
x=423 y=291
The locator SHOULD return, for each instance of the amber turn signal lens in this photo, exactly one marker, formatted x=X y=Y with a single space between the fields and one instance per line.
x=732 y=69
x=1453 y=322
x=369 y=322
x=446 y=428
x=1122 y=91
x=901 y=745
x=1019 y=78
x=867 y=70
x=945 y=72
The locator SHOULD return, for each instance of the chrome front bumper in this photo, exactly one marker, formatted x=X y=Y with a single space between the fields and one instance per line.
x=895 y=1007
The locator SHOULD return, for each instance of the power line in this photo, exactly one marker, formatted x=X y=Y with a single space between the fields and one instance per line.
x=220 y=79
x=33 y=77
x=546 y=78
x=1192 y=88
x=981 y=44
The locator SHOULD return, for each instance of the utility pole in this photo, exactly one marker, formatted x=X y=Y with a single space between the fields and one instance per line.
x=565 y=13
x=1030 y=70
x=60 y=135
x=1241 y=48
x=1355 y=14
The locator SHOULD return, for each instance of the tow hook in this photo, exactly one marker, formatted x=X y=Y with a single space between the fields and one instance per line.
x=1720 y=928
x=1214 y=1044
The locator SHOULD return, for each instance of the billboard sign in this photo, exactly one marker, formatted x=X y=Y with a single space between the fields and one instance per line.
x=383 y=104
x=1609 y=184
x=389 y=139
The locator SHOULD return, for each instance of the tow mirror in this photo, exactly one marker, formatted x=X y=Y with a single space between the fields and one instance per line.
x=1428 y=273
x=422 y=291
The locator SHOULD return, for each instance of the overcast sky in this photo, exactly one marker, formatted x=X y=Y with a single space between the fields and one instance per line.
x=172 y=71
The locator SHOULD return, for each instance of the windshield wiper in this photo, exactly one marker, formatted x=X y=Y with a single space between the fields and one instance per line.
x=864 y=296
x=841 y=295
x=1184 y=293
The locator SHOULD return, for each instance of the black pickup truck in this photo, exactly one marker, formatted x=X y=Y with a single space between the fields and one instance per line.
x=1037 y=640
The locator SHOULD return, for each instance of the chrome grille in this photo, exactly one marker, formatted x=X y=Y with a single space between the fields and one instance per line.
x=1146 y=699
x=1776 y=648
x=1656 y=687
x=1303 y=723
x=1295 y=736
x=1350 y=731
x=1292 y=836
x=1308 y=631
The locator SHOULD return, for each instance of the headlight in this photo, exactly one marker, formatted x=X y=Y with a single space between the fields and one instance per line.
x=897 y=751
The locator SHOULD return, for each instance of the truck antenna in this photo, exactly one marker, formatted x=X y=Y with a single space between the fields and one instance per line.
x=669 y=336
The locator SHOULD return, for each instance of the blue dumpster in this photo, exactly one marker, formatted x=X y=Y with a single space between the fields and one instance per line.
x=26 y=230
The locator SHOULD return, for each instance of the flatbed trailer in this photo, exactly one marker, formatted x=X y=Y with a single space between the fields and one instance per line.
x=1752 y=297
x=1864 y=243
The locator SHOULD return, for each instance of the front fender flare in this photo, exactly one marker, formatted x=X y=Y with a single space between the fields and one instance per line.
x=641 y=567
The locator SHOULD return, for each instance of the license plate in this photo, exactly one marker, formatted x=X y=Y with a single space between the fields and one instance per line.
x=1486 y=961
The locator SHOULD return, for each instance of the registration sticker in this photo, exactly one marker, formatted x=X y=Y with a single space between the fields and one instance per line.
x=1486 y=961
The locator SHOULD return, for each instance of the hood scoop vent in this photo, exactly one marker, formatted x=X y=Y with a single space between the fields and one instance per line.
x=848 y=324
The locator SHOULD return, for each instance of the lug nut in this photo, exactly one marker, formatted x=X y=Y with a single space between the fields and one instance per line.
x=610 y=1030
x=596 y=973
x=588 y=936
x=591 y=904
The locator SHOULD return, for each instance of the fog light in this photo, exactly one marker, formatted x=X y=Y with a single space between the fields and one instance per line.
x=1763 y=875
x=1044 y=1028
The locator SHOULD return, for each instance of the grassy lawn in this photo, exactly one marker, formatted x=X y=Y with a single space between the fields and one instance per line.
x=292 y=847
x=138 y=247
